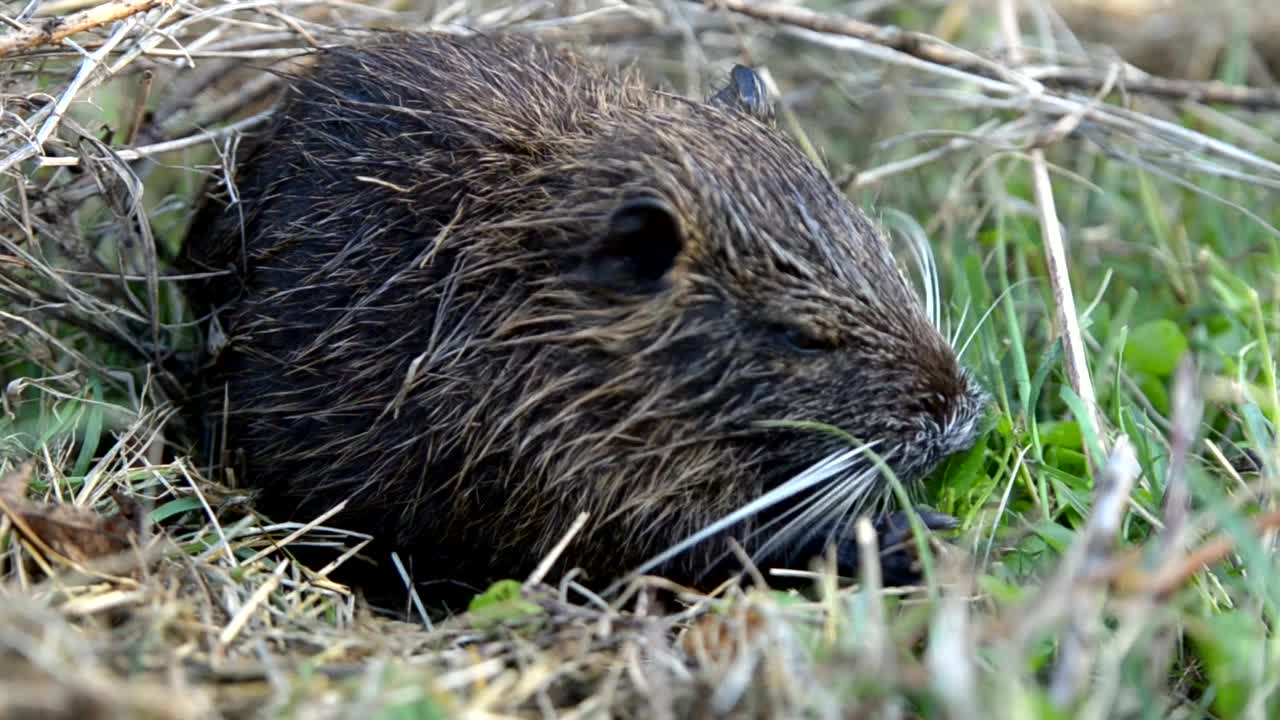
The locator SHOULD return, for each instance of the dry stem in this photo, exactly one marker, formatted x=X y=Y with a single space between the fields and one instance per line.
x=55 y=30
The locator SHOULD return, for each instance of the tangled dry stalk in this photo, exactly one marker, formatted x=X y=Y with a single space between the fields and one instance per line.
x=135 y=586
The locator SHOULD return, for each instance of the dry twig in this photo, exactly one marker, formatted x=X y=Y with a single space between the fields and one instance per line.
x=53 y=30
x=934 y=50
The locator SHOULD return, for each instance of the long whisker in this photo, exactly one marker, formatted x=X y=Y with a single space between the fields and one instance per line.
x=787 y=517
x=804 y=519
x=856 y=499
x=922 y=254
x=854 y=492
x=796 y=518
x=850 y=496
x=843 y=494
x=964 y=315
x=818 y=473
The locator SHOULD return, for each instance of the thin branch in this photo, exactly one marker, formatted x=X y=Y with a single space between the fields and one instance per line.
x=931 y=49
x=1126 y=575
x=57 y=29
x=1136 y=82
x=82 y=80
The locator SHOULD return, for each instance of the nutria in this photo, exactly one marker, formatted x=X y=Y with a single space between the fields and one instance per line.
x=479 y=285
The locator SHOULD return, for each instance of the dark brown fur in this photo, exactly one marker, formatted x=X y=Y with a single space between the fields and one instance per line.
x=433 y=320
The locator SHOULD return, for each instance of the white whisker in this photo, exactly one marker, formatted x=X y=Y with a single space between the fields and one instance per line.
x=786 y=517
x=922 y=254
x=818 y=473
x=964 y=315
x=803 y=520
x=845 y=494
x=856 y=498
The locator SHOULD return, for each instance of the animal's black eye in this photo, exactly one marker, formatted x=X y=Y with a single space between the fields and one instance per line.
x=800 y=340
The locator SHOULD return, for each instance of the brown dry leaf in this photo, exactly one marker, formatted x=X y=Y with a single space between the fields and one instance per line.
x=719 y=638
x=14 y=483
x=72 y=533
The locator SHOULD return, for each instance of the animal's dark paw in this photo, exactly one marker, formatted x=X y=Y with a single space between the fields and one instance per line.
x=899 y=561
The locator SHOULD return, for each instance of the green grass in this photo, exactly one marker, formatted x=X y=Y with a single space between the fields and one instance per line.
x=1163 y=272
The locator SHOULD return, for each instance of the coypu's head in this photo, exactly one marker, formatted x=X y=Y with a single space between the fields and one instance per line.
x=724 y=285
x=489 y=287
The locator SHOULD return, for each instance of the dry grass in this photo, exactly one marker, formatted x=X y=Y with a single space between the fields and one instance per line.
x=135 y=586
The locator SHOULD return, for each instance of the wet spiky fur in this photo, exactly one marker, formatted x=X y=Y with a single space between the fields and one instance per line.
x=410 y=327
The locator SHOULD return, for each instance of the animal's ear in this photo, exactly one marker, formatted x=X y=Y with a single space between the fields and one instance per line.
x=639 y=247
x=747 y=92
